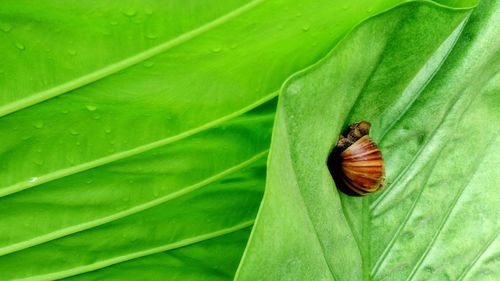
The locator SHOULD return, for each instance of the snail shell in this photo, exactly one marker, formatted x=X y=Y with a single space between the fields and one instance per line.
x=356 y=164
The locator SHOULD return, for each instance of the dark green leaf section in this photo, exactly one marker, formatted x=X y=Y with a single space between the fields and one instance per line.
x=167 y=198
x=214 y=259
x=122 y=188
x=427 y=77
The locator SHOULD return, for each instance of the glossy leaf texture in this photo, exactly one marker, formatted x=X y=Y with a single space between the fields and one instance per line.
x=134 y=134
x=428 y=79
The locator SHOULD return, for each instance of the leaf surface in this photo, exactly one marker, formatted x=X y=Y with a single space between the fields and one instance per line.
x=427 y=78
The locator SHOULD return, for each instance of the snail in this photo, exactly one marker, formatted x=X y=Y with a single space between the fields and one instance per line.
x=356 y=162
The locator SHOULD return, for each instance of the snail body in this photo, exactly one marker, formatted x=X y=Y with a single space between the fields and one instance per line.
x=356 y=163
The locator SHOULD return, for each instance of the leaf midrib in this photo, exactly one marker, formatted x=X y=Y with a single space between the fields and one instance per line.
x=294 y=173
x=123 y=64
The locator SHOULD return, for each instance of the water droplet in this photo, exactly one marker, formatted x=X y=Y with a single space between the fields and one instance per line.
x=38 y=124
x=26 y=138
x=216 y=49
x=149 y=10
x=130 y=12
x=39 y=150
x=149 y=64
x=88 y=181
x=306 y=27
x=369 y=10
x=299 y=14
x=72 y=52
x=78 y=143
x=5 y=27
x=345 y=7
x=168 y=117
x=38 y=162
x=74 y=132
x=91 y=107
x=151 y=36
x=114 y=22
x=233 y=46
x=20 y=46
x=107 y=131
x=65 y=111
x=96 y=117
x=33 y=179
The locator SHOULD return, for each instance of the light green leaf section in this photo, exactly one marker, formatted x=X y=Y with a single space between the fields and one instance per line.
x=428 y=78
x=134 y=134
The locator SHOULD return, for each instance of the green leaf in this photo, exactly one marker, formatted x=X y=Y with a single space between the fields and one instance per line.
x=428 y=78
x=130 y=129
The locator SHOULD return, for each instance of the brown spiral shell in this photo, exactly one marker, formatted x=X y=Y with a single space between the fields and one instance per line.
x=356 y=163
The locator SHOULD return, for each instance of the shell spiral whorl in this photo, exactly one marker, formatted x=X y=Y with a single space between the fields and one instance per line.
x=356 y=163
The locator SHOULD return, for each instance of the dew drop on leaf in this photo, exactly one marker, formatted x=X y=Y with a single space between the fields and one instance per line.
x=5 y=27
x=149 y=64
x=130 y=12
x=74 y=132
x=20 y=47
x=38 y=124
x=151 y=36
x=91 y=107
x=306 y=27
x=33 y=179
x=216 y=50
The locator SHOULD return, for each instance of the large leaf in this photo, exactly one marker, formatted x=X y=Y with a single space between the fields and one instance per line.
x=428 y=78
x=131 y=129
